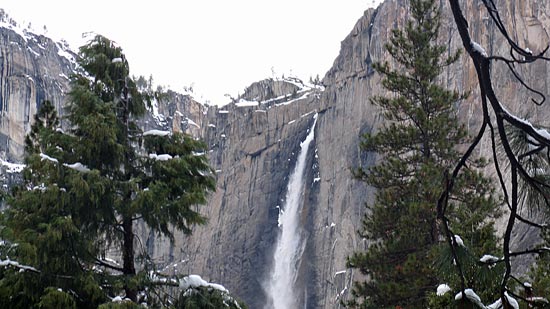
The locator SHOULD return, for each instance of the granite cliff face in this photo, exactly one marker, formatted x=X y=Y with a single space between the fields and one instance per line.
x=33 y=68
x=253 y=169
x=254 y=141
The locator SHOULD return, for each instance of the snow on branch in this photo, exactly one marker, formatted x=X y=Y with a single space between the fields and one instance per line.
x=535 y=135
x=8 y=262
x=487 y=258
x=510 y=300
x=458 y=240
x=48 y=158
x=160 y=157
x=109 y=263
x=185 y=283
x=78 y=167
x=479 y=49
x=156 y=133
x=195 y=281
x=538 y=300
x=490 y=260
x=471 y=295
x=442 y=289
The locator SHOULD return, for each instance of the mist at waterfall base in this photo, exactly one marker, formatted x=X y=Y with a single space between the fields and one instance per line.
x=290 y=245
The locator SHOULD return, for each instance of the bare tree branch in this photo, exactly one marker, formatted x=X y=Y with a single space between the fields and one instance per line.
x=489 y=101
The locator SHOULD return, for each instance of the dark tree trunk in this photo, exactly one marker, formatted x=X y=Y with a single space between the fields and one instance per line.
x=128 y=267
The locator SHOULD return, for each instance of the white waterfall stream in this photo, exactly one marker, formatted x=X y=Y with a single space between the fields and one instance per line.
x=280 y=288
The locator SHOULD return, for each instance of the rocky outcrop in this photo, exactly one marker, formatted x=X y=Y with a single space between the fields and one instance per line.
x=253 y=143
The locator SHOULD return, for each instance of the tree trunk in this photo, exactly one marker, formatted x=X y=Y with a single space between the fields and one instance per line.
x=128 y=267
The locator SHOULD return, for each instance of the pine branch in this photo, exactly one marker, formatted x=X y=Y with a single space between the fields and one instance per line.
x=531 y=223
x=537 y=251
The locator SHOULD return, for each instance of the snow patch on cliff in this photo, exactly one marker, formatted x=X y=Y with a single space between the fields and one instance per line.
x=159 y=118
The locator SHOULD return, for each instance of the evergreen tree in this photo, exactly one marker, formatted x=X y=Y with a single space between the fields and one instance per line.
x=407 y=259
x=85 y=189
x=539 y=290
x=534 y=203
x=206 y=298
x=41 y=230
x=45 y=121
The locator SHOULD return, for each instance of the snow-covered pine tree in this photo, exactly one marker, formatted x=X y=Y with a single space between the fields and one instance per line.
x=85 y=189
x=407 y=257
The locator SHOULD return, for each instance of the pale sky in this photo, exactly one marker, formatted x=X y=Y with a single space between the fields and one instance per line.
x=218 y=46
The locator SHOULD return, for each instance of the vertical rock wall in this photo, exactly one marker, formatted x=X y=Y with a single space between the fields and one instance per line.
x=33 y=68
x=334 y=201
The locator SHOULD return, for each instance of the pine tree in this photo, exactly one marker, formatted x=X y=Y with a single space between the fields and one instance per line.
x=85 y=189
x=207 y=298
x=533 y=201
x=406 y=259
x=539 y=289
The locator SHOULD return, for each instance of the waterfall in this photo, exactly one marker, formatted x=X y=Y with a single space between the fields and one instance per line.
x=280 y=288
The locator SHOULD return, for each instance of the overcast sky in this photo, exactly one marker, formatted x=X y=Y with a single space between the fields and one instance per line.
x=218 y=46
